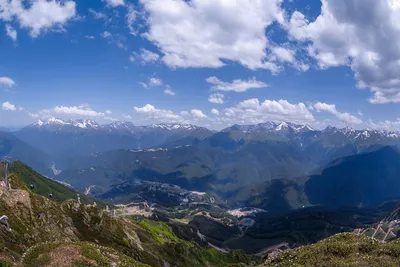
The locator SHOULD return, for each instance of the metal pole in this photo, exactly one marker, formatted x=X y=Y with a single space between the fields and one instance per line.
x=6 y=176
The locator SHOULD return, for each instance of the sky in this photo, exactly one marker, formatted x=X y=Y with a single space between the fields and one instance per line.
x=212 y=63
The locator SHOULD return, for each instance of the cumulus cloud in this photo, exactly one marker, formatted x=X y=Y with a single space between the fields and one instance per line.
x=345 y=117
x=81 y=111
x=387 y=125
x=6 y=81
x=251 y=111
x=169 y=92
x=198 y=113
x=236 y=85
x=11 y=32
x=106 y=34
x=284 y=54
x=126 y=116
x=8 y=106
x=153 y=81
x=215 y=112
x=363 y=35
x=200 y=33
x=115 y=3
x=217 y=98
x=157 y=114
x=131 y=58
x=148 y=56
x=39 y=15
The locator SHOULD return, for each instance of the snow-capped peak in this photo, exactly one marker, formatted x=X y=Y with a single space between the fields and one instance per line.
x=282 y=125
x=59 y=122
x=85 y=124
x=49 y=121
x=39 y=123
x=174 y=126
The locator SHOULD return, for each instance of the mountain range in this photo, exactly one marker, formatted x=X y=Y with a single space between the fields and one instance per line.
x=238 y=164
x=59 y=138
x=192 y=181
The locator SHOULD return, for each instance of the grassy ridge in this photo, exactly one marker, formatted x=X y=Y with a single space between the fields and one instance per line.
x=342 y=250
x=43 y=186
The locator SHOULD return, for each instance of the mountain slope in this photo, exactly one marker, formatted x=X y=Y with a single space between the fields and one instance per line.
x=19 y=150
x=41 y=228
x=22 y=176
x=340 y=250
x=360 y=180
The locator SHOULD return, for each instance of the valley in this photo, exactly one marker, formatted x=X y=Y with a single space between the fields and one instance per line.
x=257 y=189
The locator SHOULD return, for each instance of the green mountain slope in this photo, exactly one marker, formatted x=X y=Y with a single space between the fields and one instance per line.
x=49 y=227
x=22 y=176
x=341 y=250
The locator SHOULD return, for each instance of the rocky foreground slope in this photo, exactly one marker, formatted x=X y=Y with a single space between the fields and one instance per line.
x=45 y=232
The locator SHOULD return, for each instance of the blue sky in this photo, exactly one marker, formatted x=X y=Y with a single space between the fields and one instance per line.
x=212 y=63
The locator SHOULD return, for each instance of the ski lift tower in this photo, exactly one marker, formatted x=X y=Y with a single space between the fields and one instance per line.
x=7 y=162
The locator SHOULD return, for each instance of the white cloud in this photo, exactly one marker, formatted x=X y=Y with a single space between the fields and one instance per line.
x=115 y=3
x=40 y=15
x=106 y=34
x=143 y=84
x=204 y=33
x=157 y=114
x=363 y=35
x=215 y=112
x=236 y=85
x=217 y=98
x=126 y=116
x=116 y=39
x=80 y=111
x=11 y=32
x=130 y=19
x=131 y=58
x=90 y=37
x=83 y=110
x=148 y=56
x=284 y=54
x=8 y=106
x=7 y=81
x=169 y=92
x=98 y=15
x=252 y=103
x=198 y=113
x=34 y=115
x=384 y=125
x=345 y=117
x=251 y=111
x=153 y=81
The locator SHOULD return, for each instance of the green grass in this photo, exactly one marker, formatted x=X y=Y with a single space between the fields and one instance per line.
x=39 y=223
x=90 y=255
x=160 y=231
x=43 y=186
x=342 y=250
